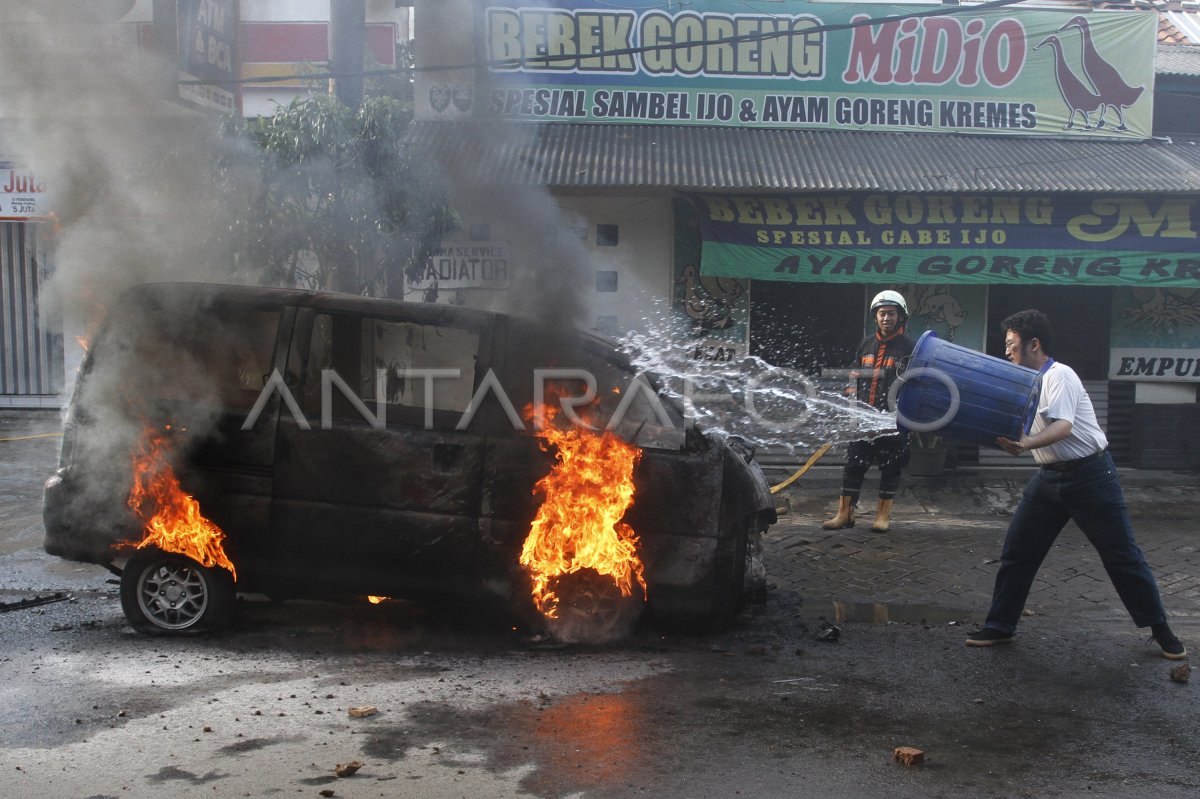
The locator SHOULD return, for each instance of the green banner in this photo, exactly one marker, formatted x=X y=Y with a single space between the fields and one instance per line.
x=711 y=314
x=1137 y=240
x=792 y=64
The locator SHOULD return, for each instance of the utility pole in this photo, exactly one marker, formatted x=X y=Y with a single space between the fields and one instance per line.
x=347 y=41
x=347 y=38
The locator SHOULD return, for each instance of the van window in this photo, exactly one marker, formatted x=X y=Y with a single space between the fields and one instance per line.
x=223 y=356
x=238 y=352
x=392 y=350
x=378 y=357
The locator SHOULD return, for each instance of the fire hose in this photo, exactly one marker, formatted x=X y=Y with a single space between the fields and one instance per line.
x=816 y=456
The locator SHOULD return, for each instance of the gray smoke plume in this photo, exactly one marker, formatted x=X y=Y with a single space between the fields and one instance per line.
x=84 y=107
x=90 y=112
x=552 y=280
x=551 y=284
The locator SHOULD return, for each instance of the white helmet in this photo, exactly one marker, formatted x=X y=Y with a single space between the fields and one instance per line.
x=890 y=297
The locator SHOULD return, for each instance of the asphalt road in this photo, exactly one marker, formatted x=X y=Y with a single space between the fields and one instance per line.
x=1078 y=707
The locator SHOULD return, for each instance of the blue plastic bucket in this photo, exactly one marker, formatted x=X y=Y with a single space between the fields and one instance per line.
x=958 y=393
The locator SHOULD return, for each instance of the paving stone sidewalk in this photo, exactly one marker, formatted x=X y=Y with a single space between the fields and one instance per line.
x=946 y=535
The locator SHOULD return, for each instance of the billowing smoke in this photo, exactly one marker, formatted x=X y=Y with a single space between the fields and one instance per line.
x=549 y=285
x=551 y=282
x=125 y=168
x=89 y=111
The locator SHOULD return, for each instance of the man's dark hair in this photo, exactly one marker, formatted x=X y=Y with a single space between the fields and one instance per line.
x=1029 y=325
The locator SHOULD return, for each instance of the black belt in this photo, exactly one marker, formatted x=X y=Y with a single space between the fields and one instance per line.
x=1070 y=466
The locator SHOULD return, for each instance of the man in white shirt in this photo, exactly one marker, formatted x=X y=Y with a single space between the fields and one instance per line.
x=1077 y=481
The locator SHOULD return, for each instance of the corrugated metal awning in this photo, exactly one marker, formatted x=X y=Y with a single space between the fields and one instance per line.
x=602 y=156
x=1177 y=59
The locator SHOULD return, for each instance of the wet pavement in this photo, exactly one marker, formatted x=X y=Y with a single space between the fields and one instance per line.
x=940 y=555
x=1079 y=706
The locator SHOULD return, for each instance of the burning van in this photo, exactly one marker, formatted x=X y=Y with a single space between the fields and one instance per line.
x=226 y=439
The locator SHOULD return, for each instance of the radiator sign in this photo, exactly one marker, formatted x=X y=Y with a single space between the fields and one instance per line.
x=468 y=265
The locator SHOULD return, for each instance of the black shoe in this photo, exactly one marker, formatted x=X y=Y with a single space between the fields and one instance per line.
x=1172 y=647
x=988 y=636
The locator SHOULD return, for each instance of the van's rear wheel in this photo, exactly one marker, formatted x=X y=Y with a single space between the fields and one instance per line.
x=167 y=594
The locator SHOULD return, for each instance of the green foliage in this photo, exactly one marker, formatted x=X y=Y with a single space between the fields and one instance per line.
x=329 y=197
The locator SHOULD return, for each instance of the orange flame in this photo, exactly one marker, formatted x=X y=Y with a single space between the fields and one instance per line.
x=375 y=600
x=173 y=521
x=578 y=525
x=82 y=342
x=56 y=225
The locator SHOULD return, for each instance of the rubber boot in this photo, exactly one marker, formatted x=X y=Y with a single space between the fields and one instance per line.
x=844 y=517
x=883 y=516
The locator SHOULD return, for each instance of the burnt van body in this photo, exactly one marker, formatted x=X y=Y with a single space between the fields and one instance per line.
x=334 y=440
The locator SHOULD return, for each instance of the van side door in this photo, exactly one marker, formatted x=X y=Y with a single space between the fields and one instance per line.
x=231 y=469
x=382 y=494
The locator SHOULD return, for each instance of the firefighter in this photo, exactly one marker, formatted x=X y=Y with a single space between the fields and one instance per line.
x=874 y=371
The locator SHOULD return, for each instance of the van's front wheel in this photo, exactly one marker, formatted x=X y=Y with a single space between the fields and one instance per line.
x=167 y=594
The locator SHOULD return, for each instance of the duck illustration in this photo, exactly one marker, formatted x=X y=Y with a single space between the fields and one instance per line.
x=938 y=305
x=1164 y=311
x=1112 y=89
x=708 y=301
x=1078 y=97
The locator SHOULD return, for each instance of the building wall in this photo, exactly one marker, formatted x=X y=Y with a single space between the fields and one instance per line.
x=596 y=262
x=641 y=258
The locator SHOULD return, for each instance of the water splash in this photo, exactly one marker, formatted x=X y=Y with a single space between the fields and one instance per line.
x=765 y=405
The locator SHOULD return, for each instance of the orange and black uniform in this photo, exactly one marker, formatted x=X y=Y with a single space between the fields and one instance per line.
x=875 y=368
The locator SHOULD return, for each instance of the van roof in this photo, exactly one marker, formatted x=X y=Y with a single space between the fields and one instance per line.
x=204 y=293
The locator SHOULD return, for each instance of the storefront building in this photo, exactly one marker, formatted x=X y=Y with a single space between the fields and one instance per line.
x=31 y=349
x=768 y=181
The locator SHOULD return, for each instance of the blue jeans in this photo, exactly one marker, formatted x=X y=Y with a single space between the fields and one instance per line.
x=1091 y=496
